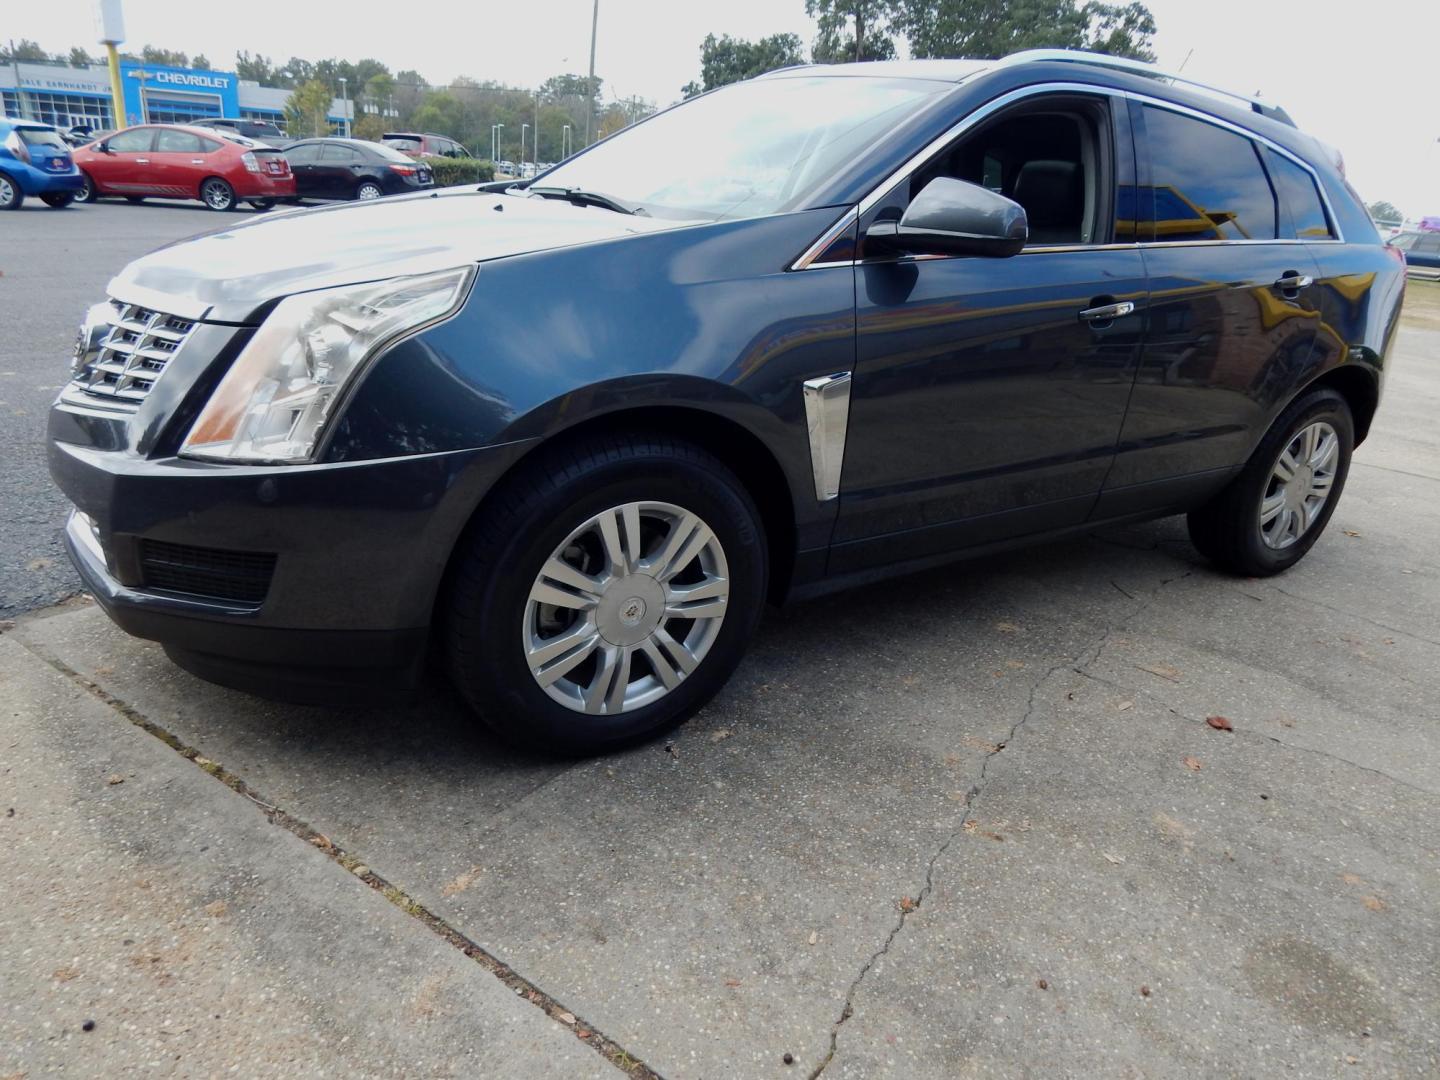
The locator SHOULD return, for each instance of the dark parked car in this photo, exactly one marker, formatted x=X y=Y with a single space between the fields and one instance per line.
x=1420 y=248
x=353 y=169
x=801 y=332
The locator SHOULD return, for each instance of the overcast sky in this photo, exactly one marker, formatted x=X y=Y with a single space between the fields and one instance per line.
x=1360 y=76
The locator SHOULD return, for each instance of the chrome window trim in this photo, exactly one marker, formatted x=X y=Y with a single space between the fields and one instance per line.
x=829 y=236
x=983 y=112
x=827 y=416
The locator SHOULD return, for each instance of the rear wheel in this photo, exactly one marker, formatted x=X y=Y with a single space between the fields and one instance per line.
x=87 y=193
x=11 y=197
x=606 y=593
x=367 y=190
x=58 y=199
x=217 y=194
x=1268 y=517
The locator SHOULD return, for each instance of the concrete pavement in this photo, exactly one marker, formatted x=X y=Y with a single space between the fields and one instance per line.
x=969 y=823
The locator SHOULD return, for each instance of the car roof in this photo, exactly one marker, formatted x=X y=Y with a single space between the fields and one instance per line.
x=932 y=70
x=18 y=122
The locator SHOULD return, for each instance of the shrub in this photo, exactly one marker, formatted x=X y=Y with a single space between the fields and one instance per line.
x=449 y=171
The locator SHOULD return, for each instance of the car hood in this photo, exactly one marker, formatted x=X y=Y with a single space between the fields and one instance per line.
x=226 y=275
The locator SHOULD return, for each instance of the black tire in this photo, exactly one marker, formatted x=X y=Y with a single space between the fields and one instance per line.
x=217 y=195
x=367 y=190
x=136 y=199
x=11 y=197
x=263 y=204
x=58 y=200
x=499 y=558
x=1227 y=529
x=87 y=194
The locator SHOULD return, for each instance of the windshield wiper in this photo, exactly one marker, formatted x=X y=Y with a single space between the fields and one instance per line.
x=581 y=197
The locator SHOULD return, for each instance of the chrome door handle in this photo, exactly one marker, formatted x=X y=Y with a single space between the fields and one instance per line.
x=1106 y=312
x=1292 y=281
x=142 y=161
x=197 y=161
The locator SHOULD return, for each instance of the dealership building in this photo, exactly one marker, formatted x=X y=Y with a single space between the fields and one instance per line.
x=65 y=96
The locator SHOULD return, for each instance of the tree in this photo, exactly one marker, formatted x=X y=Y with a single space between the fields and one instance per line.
x=307 y=110
x=150 y=54
x=852 y=30
x=201 y=61
x=1385 y=211
x=25 y=50
x=79 y=58
x=726 y=60
x=256 y=68
x=986 y=29
x=369 y=126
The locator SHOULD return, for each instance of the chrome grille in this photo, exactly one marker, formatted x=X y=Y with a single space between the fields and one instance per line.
x=131 y=354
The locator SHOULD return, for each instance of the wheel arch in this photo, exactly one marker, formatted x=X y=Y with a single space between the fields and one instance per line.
x=1358 y=384
x=745 y=453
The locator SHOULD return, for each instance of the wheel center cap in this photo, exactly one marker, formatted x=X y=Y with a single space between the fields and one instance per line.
x=630 y=610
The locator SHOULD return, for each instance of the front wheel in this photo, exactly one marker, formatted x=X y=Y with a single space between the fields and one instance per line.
x=58 y=200
x=11 y=197
x=217 y=194
x=605 y=594
x=1271 y=514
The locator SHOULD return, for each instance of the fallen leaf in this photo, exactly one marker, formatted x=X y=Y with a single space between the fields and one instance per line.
x=64 y=974
x=1116 y=859
x=1194 y=764
x=1351 y=1059
x=323 y=843
x=39 y=564
x=1219 y=723
x=1144 y=991
x=721 y=735
x=1125 y=705
x=1041 y=984
x=814 y=936
x=216 y=909
x=582 y=1033
x=1351 y=532
x=115 y=778
x=732 y=982
x=1016 y=664
x=908 y=905
x=1374 y=903
x=1165 y=671
x=565 y=1017
x=1006 y=627
x=1352 y=879
x=461 y=882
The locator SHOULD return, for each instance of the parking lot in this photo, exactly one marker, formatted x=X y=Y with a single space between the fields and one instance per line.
x=1089 y=808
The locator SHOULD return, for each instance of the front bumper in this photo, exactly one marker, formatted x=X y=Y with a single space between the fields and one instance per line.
x=360 y=550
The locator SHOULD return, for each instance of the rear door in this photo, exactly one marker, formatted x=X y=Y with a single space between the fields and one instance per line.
x=1233 y=310
x=304 y=160
x=338 y=168
x=178 y=161
x=125 y=168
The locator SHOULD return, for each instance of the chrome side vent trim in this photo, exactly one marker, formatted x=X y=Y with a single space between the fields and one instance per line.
x=827 y=414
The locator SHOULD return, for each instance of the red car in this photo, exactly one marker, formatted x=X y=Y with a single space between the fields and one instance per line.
x=177 y=162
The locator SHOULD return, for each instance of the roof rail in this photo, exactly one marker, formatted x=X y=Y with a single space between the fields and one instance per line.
x=1139 y=67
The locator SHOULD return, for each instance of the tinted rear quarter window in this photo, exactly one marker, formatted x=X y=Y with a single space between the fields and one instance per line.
x=1303 y=213
x=1208 y=182
x=40 y=137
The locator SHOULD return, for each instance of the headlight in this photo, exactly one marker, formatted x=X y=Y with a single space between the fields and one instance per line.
x=272 y=404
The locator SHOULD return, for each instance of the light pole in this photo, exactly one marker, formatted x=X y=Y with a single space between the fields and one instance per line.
x=590 y=86
x=523 y=129
x=565 y=144
x=345 y=104
x=495 y=141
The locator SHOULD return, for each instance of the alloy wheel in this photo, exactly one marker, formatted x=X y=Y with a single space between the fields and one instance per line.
x=217 y=195
x=1299 y=485
x=7 y=191
x=625 y=608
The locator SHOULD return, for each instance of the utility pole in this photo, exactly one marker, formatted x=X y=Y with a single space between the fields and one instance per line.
x=19 y=89
x=590 y=86
x=112 y=33
x=345 y=100
x=537 y=131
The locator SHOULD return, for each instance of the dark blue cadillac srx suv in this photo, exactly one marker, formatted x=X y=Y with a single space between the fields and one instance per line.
x=831 y=323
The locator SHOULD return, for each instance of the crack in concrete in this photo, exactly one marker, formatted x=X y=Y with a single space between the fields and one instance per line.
x=1397 y=472
x=1348 y=614
x=607 y=1048
x=1075 y=663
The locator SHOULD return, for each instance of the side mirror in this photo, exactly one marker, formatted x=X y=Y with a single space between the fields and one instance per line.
x=103 y=147
x=952 y=217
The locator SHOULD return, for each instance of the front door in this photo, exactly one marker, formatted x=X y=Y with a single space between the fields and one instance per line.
x=124 y=169
x=989 y=393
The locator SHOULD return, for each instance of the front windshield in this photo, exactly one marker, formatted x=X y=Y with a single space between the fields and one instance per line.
x=751 y=149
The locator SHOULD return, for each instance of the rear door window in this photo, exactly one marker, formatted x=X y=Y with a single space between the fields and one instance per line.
x=169 y=141
x=1302 y=212
x=41 y=137
x=1208 y=182
x=305 y=154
